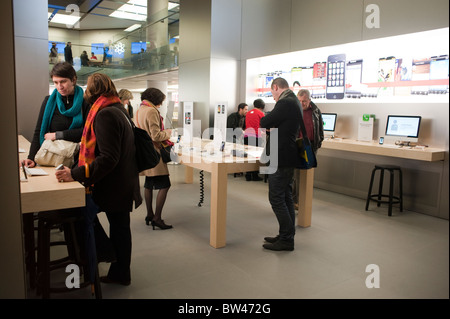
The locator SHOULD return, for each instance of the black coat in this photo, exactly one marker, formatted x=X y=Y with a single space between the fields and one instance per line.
x=285 y=116
x=114 y=172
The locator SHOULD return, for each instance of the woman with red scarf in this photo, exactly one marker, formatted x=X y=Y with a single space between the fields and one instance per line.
x=107 y=168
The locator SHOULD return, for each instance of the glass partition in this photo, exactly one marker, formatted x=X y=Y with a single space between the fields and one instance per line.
x=126 y=54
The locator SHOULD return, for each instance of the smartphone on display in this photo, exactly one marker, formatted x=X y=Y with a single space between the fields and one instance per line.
x=222 y=146
x=179 y=139
x=381 y=141
x=335 y=77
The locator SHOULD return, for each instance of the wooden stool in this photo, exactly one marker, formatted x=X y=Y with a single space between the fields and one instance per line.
x=378 y=196
x=76 y=254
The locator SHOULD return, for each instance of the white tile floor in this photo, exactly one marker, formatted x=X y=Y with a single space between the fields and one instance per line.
x=329 y=260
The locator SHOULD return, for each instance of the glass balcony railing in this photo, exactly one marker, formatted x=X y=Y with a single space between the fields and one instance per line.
x=127 y=54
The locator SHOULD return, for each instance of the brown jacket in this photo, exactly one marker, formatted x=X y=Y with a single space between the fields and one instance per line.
x=148 y=119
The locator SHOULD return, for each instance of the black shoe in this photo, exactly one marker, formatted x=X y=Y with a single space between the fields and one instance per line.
x=161 y=225
x=280 y=245
x=107 y=280
x=148 y=220
x=256 y=178
x=272 y=239
x=248 y=177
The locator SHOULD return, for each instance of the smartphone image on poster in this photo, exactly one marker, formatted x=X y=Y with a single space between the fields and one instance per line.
x=319 y=80
x=386 y=73
x=335 y=77
x=420 y=72
x=353 y=78
x=439 y=71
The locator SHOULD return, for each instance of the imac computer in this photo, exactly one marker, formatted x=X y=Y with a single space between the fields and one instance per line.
x=329 y=124
x=403 y=128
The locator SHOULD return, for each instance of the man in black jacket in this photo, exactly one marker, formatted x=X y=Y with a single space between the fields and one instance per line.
x=68 y=53
x=236 y=121
x=285 y=118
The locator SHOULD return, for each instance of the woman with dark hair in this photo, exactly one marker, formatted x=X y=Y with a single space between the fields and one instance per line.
x=149 y=119
x=107 y=168
x=63 y=113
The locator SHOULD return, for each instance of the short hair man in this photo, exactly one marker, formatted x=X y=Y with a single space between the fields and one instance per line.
x=285 y=117
x=236 y=121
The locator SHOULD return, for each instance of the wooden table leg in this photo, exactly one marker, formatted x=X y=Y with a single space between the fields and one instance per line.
x=218 y=217
x=305 y=197
x=30 y=258
x=188 y=175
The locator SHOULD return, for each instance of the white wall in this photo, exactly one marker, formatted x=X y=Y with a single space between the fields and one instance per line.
x=274 y=27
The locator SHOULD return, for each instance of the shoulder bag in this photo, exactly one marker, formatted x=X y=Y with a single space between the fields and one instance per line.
x=307 y=158
x=146 y=155
x=53 y=153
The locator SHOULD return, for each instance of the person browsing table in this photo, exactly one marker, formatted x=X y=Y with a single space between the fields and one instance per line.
x=107 y=167
x=285 y=118
x=62 y=114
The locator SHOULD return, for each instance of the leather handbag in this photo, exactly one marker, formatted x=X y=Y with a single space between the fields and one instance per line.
x=307 y=158
x=53 y=153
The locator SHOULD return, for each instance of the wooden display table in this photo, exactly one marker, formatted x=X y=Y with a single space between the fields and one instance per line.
x=42 y=193
x=219 y=165
x=421 y=154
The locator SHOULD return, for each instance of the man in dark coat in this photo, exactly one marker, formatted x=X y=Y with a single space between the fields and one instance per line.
x=68 y=53
x=285 y=119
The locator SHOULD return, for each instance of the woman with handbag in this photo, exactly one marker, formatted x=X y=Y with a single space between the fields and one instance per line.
x=63 y=113
x=149 y=119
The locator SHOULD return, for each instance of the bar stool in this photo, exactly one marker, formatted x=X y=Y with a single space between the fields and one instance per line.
x=378 y=196
x=71 y=221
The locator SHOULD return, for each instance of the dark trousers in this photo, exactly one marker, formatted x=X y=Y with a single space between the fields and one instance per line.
x=120 y=235
x=280 y=198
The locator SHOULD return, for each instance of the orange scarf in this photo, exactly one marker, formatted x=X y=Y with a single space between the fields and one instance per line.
x=88 y=140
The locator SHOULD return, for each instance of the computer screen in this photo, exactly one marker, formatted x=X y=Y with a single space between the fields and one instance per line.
x=405 y=126
x=137 y=46
x=97 y=48
x=59 y=45
x=329 y=121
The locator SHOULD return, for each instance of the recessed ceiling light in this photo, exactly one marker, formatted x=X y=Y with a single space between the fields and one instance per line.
x=133 y=27
x=63 y=18
x=136 y=10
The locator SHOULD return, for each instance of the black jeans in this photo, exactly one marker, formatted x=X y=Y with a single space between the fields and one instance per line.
x=120 y=235
x=280 y=198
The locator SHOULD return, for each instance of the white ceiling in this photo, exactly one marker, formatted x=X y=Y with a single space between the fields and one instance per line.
x=95 y=16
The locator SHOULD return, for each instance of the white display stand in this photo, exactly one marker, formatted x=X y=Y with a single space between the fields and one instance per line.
x=365 y=129
x=188 y=121
x=220 y=124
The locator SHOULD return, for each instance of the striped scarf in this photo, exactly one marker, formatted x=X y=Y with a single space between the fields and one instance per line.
x=88 y=140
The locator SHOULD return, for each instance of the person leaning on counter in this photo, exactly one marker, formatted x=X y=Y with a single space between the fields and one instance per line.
x=63 y=113
x=108 y=168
